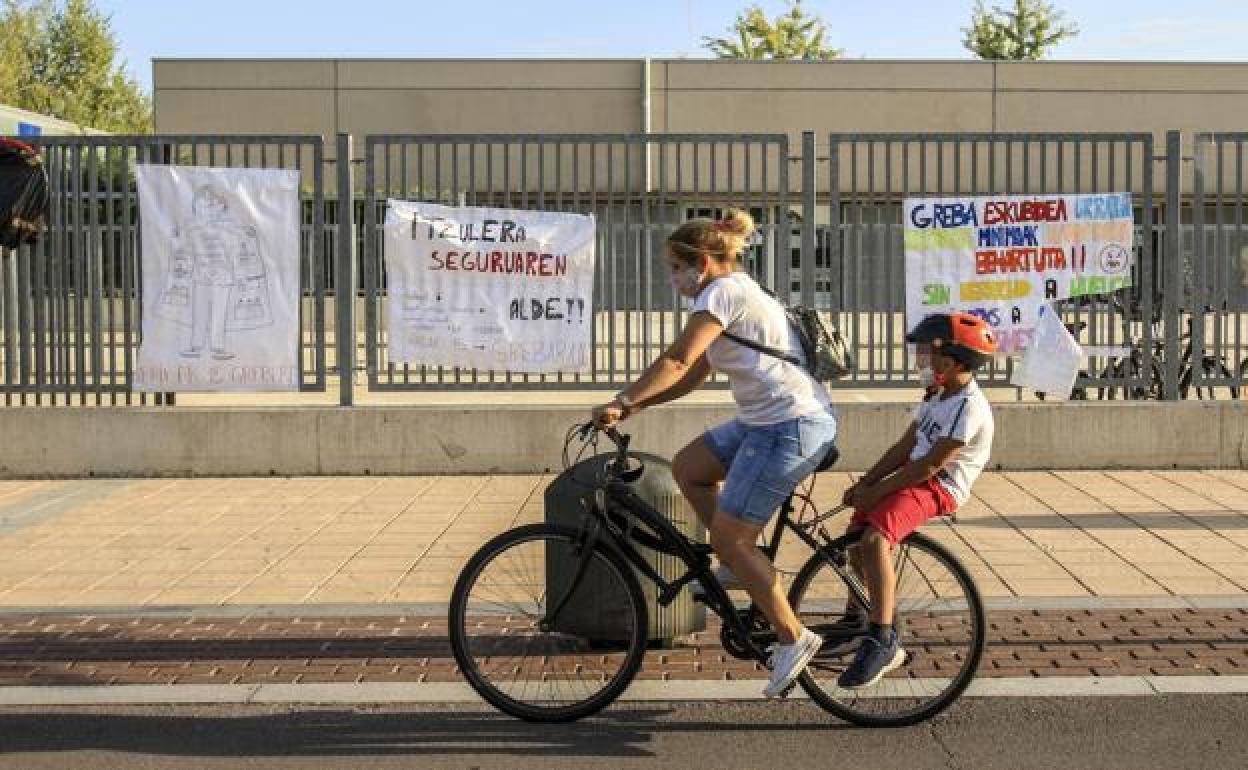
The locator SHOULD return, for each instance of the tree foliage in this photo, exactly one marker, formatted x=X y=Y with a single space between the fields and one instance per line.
x=60 y=59
x=1025 y=32
x=792 y=35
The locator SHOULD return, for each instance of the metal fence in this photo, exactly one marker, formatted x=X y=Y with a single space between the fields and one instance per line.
x=71 y=315
x=859 y=264
x=830 y=235
x=1213 y=337
x=637 y=187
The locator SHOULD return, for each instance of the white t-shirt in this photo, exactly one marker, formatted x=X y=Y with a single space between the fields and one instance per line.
x=767 y=389
x=963 y=416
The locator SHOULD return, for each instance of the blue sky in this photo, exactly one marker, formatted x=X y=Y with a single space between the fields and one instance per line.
x=1166 y=30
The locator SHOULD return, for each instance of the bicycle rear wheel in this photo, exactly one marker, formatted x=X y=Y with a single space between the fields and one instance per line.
x=939 y=619
x=537 y=668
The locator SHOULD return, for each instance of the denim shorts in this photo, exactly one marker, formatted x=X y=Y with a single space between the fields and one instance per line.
x=765 y=463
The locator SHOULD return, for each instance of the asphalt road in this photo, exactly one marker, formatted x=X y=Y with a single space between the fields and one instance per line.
x=983 y=733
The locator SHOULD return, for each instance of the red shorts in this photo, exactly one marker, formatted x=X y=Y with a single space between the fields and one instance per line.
x=902 y=512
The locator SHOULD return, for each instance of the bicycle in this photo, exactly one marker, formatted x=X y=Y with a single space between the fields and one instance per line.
x=516 y=650
x=1130 y=369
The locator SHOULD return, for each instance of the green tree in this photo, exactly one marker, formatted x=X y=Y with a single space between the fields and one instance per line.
x=793 y=35
x=1024 y=33
x=60 y=59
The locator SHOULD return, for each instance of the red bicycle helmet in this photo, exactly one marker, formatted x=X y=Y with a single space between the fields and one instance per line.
x=965 y=338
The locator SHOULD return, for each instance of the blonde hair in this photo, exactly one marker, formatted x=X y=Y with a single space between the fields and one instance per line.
x=721 y=239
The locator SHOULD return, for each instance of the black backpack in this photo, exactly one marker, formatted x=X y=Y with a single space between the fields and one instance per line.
x=827 y=354
x=23 y=194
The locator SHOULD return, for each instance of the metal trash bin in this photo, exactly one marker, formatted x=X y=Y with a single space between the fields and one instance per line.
x=592 y=613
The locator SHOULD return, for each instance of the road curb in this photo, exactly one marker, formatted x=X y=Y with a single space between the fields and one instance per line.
x=453 y=692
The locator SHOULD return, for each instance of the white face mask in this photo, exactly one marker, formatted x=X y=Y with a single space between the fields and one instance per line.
x=686 y=281
x=923 y=365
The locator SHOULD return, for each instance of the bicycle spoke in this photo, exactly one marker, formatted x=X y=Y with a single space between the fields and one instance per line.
x=508 y=657
x=938 y=621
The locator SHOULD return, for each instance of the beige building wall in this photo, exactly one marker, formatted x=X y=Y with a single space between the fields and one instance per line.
x=361 y=96
x=630 y=96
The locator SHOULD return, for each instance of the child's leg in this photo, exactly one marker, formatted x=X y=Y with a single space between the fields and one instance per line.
x=854 y=556
x=876 y=558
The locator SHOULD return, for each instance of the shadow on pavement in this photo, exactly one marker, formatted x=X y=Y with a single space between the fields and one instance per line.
x=308 y=732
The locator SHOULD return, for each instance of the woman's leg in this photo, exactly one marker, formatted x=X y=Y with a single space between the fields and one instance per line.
x=735 y=543
x=698 y=473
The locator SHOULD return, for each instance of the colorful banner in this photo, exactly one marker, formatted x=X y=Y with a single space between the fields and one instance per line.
x=489 y=289
x=1002 y=258
x=220 y=279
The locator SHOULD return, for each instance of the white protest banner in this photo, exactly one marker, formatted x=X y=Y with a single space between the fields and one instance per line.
x=1003 y=258
x=220 y=279
x=1051 y=363
x=489 y=289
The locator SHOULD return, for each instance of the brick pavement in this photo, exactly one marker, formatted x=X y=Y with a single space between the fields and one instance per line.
x=103 y=650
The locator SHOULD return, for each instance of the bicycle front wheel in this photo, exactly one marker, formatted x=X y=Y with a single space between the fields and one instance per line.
x=533 y=666
x=939 y=619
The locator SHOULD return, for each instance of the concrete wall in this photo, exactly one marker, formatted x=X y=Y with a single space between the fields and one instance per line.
x=361 y=96
x=41 y=442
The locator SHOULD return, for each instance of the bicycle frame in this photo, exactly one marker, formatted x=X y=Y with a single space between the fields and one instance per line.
x=612 y=521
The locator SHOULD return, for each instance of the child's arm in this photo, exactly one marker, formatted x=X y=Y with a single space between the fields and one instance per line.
x=913 y=472
x=896 y=456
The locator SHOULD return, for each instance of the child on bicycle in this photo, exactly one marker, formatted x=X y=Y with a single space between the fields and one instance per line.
x=927 y=473
x=736 y=475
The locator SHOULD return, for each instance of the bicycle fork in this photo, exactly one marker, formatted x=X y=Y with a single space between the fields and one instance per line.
x=583 y=548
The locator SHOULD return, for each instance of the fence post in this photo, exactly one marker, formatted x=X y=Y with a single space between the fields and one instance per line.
x=1172 y=267
x=808 y=219
x=344 y=290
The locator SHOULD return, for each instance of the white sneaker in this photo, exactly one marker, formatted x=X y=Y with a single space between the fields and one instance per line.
x=789 y=660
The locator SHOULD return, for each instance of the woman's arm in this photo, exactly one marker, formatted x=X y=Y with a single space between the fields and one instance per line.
x=693 y=379
x=678 y=362
x=680 y=369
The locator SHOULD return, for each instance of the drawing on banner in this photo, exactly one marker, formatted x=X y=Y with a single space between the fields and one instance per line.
x=221 y=279
x=216 y=280
x=1003 y=258
x=489 y=289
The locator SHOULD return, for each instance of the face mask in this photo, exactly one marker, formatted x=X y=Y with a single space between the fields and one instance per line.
x=686 y=281
x=928 y=376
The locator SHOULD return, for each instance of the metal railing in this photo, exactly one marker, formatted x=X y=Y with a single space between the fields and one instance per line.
x=830 y=236
x=638 y=187
x=70 y=307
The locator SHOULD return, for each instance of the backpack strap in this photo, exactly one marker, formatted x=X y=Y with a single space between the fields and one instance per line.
x=765 y=349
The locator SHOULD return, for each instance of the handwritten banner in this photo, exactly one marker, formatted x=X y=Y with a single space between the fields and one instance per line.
x=1003 y=258
x=489 y=289
x=220 y=279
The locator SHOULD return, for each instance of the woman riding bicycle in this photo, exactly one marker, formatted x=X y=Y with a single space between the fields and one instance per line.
x=737 y=474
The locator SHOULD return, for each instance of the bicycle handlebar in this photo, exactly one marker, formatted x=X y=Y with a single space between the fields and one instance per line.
x=621 y=440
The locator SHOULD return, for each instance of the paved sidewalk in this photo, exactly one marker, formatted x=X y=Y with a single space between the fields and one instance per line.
x=343 y=581
x=308 y=541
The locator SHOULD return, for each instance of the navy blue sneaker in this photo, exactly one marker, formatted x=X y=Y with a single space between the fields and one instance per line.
x=845 y=635
x=872 y=662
